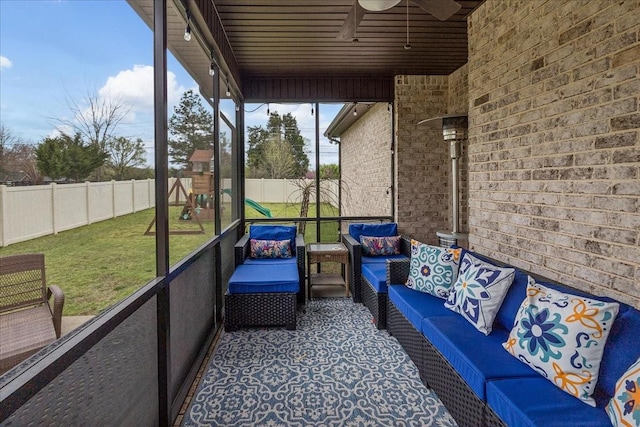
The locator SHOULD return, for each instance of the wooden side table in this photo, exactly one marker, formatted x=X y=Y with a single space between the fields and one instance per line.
x=327 y=252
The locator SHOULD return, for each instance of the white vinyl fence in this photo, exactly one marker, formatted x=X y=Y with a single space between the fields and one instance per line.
x=34 y=211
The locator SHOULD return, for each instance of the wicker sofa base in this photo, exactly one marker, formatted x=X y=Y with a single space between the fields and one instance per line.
x=461 y=402
x=437 y=374
x=267 y=309
x=376 y=303
x=409 y=338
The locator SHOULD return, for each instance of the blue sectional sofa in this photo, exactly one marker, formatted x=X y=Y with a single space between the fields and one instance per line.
x=368 y=273
x=480 y=382
x=264 y=289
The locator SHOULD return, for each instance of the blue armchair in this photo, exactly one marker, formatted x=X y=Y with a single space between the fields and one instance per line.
x=368 y=270
x=265 y=287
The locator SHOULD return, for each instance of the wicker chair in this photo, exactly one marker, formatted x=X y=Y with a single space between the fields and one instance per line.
x=373 y=297
x=27 y=321
x=272 y=308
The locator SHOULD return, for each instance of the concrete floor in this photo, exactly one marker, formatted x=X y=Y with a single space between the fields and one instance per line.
x=69 y=323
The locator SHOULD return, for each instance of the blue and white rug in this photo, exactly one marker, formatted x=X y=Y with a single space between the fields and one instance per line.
x=336 y=369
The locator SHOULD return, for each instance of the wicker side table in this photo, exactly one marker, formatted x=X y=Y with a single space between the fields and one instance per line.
x=327 y=252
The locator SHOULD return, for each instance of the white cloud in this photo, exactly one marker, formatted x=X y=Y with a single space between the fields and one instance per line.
x=134 y=88
x=5 y=62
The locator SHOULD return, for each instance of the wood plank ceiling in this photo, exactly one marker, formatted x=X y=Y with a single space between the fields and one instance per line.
x=290 y=50
x=299 y=38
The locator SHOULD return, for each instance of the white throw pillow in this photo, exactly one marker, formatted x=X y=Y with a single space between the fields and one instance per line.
x=562 y=336
x=479 y=291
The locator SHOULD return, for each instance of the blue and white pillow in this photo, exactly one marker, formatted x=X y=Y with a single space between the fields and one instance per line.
x=479 y=291
x=433 y=269
x=562 y=337
x=624 y=407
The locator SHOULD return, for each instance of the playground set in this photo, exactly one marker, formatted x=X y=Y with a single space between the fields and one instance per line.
x=199 y=201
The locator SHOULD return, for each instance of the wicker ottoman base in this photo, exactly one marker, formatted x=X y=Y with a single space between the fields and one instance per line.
x=270 y=309
x=376 y=303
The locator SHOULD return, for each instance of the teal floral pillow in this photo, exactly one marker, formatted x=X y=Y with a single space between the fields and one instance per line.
x=270 y=248
x=373 y=246
x=479 y=291
x=562 y=336
x=624 y=406
x=433 y=269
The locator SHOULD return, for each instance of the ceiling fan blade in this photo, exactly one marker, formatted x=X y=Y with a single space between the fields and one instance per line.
x=441 y=9
x=351 y=22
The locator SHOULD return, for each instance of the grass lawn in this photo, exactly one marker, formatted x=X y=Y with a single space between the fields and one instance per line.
x=100 y=264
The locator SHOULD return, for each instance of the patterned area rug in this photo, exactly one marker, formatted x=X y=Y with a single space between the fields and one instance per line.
x=336 y=369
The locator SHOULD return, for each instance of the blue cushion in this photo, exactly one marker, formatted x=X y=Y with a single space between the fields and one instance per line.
x=513 y=299
x=264 y=278
x=375 y=230
x=268 y=261
x=622 y=349
x=274 y=232
x=381 y=259
x=416 y=305
x=376 y=274
x=476 y=357
x=535 y=401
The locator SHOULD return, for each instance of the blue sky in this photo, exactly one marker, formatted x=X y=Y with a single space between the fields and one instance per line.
x=52 y=51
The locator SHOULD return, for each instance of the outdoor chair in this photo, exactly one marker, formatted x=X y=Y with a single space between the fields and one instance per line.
x=370 y=247
x=27 y=321
x=266 y=285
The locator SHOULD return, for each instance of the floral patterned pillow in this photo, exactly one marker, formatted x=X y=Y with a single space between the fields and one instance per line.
x=624 y=406
x=433 y=269
x=479 y=291
x=562 y=337
x=270 y=248
x=373 y=246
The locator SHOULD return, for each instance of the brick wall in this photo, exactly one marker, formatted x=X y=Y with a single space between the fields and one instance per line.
x=458 y=103
x=422 y=158
x=366 y=164
x=554 y=146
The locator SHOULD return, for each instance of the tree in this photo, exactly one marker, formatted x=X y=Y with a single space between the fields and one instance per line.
x=7 y=141
x=282 y=130
x=191 y=127
x=17 y=157
x=95 y=117
x=278 y=160
x=50 y=158
x=64 y=156
x=23 y=158
x=125 y=154
x=331 y=171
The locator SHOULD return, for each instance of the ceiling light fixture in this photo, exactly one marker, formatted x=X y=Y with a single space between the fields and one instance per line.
x=212 y=67
x=187 y=30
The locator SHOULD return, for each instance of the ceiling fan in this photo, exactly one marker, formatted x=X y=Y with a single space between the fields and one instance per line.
x=441 y=9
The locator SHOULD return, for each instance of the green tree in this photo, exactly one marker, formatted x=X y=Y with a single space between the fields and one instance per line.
x=191 y=128
x=50 y=158
x=64 y=156
x=125 y=154
x=280 y=130
x=331 y=171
